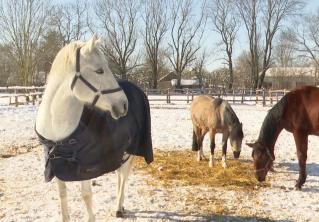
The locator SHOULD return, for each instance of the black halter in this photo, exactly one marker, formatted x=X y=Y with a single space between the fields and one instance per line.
x=271 y=158
x=78 y=75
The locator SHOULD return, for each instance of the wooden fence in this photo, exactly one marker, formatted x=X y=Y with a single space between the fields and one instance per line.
x=18 y=95
x=241 y=96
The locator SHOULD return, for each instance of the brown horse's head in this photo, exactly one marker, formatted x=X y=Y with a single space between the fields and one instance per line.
x=263 y=160
x=236 y=137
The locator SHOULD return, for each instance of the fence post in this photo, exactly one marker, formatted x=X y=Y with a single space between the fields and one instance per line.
x=242 y=96
x=168 y=96
x=234 y=96
x=33 y=99
x=251 y=94
x=192 y=96
x=27 y=99
x=264 y=97
x=187 y=93
x=270 y=97
x=277 y=97
x=16 y=101
x=256 y=96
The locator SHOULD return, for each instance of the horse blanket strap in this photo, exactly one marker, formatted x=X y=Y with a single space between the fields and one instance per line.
x=78 y=75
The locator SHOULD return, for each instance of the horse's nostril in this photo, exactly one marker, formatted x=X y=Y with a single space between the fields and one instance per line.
x=125 y=107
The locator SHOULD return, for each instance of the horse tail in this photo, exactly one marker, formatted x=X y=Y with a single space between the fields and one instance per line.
x=195 y=146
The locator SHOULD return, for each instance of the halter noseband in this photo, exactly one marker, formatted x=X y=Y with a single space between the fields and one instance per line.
x=78 y=75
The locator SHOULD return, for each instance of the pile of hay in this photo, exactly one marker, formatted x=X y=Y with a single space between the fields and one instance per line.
x=172 y=167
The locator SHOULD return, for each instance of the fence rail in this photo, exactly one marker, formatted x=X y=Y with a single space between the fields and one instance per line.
x=234 y=96
x=18 y=95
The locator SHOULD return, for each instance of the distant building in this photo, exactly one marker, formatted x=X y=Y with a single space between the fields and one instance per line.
x=169 y=81
x=290 y=77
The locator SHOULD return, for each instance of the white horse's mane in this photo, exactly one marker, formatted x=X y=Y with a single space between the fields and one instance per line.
x=63 y=61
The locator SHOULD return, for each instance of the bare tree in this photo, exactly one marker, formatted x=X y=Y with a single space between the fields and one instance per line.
x=186 y=32
x=199 y=67
x=118 y=19
x=243 y=66
x=226 y=25
x=22 y=24
x=69 y=20
x=6 y=66
x=155 y=27
x=306 y=37
x=274 y=13
x=248 y=10
x=285 y=49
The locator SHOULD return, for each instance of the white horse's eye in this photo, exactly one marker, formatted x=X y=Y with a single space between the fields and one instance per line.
x=99 y=71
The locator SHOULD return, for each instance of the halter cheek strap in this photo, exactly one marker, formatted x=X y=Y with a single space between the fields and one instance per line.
x=271 y=158
x=78 y=75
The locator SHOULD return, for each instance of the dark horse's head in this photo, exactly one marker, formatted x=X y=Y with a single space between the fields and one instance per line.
x=263 y=159
x=236 y=137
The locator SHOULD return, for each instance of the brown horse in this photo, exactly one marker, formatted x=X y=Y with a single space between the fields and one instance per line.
x=215 y=116
x=298 y=113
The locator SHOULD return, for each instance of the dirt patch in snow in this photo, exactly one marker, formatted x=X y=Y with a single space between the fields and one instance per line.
x=14 y=150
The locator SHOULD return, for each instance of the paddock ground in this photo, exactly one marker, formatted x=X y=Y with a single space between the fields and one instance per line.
x=174 y=188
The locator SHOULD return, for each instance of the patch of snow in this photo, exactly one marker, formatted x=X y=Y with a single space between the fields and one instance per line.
x=25 y=197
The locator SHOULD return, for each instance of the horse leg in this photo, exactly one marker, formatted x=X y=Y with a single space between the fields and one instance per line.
x=212 y=134
x=301 y=141
x=200 y=153
x=122 y=174
x=87 y=197
x=195 y=144
x=64 y=202
x=198 y=142
x=224 y=148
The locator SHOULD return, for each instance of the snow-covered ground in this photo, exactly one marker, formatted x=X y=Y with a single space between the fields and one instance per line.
x=25 y=197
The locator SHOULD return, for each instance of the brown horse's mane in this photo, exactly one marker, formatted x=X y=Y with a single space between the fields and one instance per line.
x=271 y=126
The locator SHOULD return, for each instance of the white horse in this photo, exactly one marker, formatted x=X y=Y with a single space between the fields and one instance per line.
x=61 y=108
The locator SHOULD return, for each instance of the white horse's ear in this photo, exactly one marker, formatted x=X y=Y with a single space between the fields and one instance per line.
x=90 y=45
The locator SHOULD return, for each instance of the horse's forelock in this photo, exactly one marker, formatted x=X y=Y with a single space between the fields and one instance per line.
x=65 y=59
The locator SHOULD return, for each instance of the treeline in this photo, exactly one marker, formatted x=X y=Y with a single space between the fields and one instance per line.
x=147 y=39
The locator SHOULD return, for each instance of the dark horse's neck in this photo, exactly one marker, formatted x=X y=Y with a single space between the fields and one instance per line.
x=272 y=125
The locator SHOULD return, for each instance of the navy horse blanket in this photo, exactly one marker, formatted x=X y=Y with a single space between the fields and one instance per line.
x=100 y=143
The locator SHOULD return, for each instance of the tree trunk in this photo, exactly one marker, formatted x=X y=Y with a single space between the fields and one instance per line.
x=261 y=78
x=231 y=72
x=155 y=77
x=179 y=81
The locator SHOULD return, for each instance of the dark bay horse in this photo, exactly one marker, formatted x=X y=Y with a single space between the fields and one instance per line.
x=298 y=113
x=215 y=116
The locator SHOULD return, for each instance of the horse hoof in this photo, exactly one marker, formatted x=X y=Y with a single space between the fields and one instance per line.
x=298 y=187
x=210 y=164
x=224 y=165
x=119 y=214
